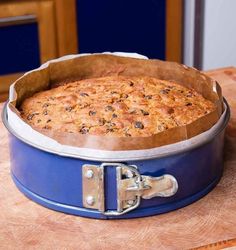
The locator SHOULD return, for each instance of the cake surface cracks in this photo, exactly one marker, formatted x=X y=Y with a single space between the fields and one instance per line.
x=115 y=106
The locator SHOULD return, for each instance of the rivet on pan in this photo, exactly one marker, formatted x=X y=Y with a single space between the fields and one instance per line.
x=90 y=200
x=130 y=202
x=89 y=174
x=129 y=174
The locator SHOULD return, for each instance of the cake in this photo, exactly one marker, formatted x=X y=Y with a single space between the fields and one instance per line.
x=120 y=106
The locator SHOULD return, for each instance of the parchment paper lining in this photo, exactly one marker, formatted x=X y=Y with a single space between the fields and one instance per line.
x=88 y=66
x=43 y=142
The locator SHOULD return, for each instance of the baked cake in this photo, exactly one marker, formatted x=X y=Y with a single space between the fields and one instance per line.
x=115 y=106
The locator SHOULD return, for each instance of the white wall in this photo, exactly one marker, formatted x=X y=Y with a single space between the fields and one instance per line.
x=189 y=8
x=219 y=38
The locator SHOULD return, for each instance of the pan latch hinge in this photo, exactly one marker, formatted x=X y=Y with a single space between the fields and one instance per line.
x=131 y=187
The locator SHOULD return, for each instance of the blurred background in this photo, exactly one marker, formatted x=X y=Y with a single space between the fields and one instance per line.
x=199 y=33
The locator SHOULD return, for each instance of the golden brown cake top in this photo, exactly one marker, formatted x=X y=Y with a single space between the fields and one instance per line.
x=115 y=106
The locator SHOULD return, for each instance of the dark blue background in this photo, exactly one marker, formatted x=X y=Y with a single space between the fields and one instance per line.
x=122 y=25
x=104 y=25
x=19 y=48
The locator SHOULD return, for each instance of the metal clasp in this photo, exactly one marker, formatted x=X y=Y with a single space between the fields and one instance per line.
x=131 y=187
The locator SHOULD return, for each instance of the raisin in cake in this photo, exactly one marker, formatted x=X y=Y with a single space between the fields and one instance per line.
x=115 y=106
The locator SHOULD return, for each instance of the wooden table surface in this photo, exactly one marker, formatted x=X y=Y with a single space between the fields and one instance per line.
x=27 y=225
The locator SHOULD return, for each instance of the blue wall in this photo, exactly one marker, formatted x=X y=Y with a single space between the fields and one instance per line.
x=19 y=48
x=122 y=25
x=104 y=25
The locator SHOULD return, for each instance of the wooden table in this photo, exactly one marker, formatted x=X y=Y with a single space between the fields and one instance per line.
x=27 y=225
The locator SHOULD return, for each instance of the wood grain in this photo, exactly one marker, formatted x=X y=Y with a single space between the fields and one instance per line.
x=44 y=12
x=3 y=96
x=224 y=244
x=67 y=37
x=174 y=27
x=27 y=225
x=5 y=82
x=57 y=29
x=227 y=78
x=47 y=30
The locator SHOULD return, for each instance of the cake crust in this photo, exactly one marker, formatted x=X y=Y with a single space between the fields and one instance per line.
x=115 y=106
